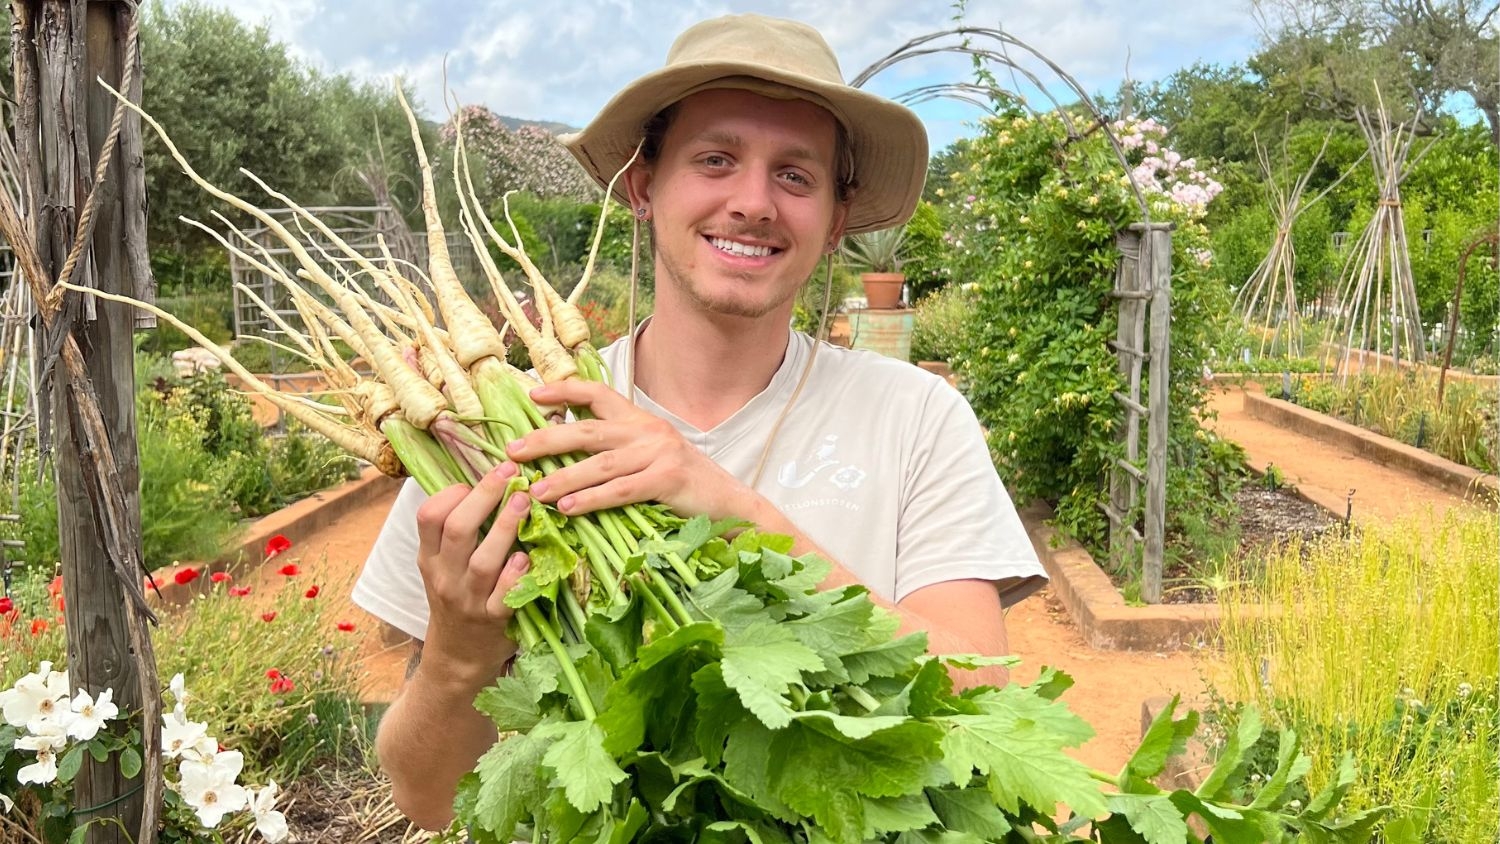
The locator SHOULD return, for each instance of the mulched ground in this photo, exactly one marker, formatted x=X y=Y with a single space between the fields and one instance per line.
x=348 y=806
x=1269 y=519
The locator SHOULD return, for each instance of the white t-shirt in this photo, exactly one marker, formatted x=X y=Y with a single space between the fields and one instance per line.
x=882 y=465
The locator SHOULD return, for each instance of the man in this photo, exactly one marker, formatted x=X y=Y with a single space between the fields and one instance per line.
x=756 y=160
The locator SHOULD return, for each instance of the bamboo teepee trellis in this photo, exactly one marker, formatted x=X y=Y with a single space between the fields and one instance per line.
x=1378 y=311
x=1268 y=299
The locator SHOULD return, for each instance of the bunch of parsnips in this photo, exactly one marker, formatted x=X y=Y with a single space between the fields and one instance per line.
x=682 y=680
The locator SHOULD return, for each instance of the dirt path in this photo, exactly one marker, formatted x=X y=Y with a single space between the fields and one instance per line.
x=1326 y=473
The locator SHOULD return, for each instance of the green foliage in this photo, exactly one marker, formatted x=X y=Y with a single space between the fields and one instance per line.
x=939 y=323
x=1039 y=241
x=234 y=97
x=882 y=251
x=205 y=464
x=211 y=312
x=808 y=315
x=927 y=251
x=770 y=711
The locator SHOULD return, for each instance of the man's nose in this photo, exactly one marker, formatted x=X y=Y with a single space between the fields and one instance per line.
x=752 y=199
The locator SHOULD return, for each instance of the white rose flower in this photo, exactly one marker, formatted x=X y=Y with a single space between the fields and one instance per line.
x=180 y=736
x=45 y=743
x=89 y=715
x=210 y=787
x=270 y=823
x=37 y=700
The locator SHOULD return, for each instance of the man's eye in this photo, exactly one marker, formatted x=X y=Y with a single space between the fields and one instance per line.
x=715 y=160
x=796 y=178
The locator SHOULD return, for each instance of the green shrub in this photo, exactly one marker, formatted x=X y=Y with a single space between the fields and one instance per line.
x=938 y=325
x=209 y=311
x=1039 y=243
x=927 y=262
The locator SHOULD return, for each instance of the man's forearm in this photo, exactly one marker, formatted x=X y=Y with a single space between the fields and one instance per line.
x=430 y=737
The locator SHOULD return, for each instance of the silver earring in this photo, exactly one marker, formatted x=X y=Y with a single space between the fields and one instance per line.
x=641 y=212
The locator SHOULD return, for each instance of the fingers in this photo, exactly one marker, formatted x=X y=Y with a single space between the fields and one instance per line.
x=487 y=560
x=516 y=566
x=594 y=471
x=449 y=522
x=589 y=435
x=596 y=396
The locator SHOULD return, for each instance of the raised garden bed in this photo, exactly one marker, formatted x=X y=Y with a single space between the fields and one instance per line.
x=1187 y=618
x=1459 y=479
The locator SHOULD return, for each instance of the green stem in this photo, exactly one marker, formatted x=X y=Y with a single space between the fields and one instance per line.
x=861 y=697
x=649 y=531
x=599 y=560
x=574 y=611
x=643 y=588
x=529 y=614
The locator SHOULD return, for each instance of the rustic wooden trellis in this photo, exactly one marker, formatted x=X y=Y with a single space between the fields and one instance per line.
x=1143 y=283
x=1378 y=310
x=362 y=227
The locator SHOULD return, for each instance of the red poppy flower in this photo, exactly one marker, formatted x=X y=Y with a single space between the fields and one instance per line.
x=272 y=674
x=289 y=570
x=185 y=576
x=38 y=626
x=7 y=606
x=219 y=576
x=268 y=616
x=311 y=593
x=276 y=544
x=239 y=591
x=281 y=685
x=345 y=626
x=55 y=587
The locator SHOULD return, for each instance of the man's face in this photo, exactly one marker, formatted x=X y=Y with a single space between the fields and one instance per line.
x=742 y=201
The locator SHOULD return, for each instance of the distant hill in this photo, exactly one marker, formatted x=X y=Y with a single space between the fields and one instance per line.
x=514 y=123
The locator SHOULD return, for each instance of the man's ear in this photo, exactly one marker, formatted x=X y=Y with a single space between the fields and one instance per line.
x=840 y=219
x=638 y=186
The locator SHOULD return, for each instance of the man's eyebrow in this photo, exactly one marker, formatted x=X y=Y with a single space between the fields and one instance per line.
x=729 y=140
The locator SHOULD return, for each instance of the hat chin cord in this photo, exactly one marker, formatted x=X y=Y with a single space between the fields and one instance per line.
x=765 y=452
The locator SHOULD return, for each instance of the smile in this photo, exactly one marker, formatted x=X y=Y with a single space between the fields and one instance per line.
x=737 y=248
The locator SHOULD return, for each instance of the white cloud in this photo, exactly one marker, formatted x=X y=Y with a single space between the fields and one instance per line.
x=545 y=60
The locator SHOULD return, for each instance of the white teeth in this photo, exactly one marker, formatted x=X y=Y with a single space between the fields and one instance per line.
x=735 y=248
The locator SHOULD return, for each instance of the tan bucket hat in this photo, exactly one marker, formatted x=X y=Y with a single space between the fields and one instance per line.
x=776 y=58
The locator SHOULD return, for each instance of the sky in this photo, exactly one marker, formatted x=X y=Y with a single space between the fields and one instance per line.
x=561 y=60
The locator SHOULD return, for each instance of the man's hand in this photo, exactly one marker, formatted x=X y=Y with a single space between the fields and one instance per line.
x=634 y=457
x=467 y=576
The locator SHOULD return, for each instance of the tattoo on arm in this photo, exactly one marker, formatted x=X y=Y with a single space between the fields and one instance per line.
x=415 y=659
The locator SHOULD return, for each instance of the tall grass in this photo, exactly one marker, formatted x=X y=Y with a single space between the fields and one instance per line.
x=1386 y=645
x=1404 y=406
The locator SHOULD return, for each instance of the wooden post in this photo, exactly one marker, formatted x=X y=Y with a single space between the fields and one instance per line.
x=64 y=120
x=1156 y=254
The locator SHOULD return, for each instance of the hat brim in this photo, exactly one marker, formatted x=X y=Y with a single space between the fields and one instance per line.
x=888 y=143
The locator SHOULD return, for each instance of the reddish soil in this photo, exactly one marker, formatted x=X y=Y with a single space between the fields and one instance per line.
x=1326 y=473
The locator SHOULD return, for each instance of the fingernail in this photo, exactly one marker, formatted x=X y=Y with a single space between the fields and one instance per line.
x=518 y=561
x=505 y=470
x=565 y=504
x=518 y=503
x=515 y=446
x=539 y=488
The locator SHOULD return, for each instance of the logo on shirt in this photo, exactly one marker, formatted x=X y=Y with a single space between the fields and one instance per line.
x=797 y=474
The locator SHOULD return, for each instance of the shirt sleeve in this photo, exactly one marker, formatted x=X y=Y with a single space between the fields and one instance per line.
x=390 y=585
x=957 y=522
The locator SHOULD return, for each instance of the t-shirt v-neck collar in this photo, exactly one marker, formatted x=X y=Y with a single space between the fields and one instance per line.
x=754 y=416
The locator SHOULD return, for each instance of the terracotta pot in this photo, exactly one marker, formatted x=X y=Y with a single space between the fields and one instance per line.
x=883 y=290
